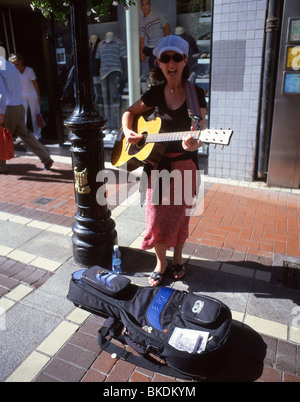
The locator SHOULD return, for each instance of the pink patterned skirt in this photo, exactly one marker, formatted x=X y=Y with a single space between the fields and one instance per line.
x=167 y=219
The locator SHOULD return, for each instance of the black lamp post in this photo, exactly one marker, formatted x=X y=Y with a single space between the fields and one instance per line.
x=93 y=231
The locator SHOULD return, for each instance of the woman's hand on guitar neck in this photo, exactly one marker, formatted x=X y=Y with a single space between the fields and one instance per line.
x=189 y=143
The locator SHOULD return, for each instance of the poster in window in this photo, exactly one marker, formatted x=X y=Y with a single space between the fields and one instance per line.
x=294 y=30
x=292 y=58
x=291 y=83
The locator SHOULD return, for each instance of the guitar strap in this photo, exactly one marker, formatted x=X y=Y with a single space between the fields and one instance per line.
x=192 y=101
x=195 y=114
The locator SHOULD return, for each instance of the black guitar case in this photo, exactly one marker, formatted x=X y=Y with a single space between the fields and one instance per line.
x=187 y=331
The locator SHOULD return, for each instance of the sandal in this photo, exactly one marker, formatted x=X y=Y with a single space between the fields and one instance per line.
x=155 y=277
x=178 y=271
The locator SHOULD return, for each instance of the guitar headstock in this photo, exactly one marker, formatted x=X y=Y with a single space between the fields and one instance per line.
x=217 y=137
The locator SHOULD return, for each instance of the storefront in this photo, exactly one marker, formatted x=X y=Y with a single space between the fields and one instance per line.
x=188 y=18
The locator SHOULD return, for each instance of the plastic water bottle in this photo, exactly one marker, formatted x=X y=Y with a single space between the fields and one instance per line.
x=116 y=260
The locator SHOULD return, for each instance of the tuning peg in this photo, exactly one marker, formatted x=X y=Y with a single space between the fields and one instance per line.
x=215 y=147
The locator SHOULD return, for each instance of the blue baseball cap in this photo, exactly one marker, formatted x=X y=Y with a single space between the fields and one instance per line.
x=171 y=42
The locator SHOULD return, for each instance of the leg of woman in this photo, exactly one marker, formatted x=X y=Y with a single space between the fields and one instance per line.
x=178 y=267
x=34 y=111
x=26 y=105
x=161 y=265
x=177 y=255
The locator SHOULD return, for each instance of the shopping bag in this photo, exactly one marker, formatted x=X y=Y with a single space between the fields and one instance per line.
x=6 y=144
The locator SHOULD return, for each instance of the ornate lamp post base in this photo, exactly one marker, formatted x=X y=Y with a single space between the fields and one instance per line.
x=93 y=231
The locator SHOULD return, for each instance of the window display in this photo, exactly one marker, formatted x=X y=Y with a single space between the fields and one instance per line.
x=189 y=19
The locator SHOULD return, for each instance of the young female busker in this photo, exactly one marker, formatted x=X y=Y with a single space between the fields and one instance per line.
x=167 y=224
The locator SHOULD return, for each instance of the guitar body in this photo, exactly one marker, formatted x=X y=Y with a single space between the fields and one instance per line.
x=151 y=148
x=137 y=155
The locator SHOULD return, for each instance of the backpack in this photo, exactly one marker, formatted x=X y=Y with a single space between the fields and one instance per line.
x=187 y=331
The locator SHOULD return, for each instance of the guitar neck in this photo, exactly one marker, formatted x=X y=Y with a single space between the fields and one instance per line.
x=166 y=137
x=207 y=136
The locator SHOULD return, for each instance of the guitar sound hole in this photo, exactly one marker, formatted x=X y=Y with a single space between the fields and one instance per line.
x=142 y=142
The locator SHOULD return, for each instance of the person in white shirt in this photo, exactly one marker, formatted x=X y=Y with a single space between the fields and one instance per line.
x=12 y=113
x=30 y=92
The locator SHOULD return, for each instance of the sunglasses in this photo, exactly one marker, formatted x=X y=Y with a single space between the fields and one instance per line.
x=166 y=58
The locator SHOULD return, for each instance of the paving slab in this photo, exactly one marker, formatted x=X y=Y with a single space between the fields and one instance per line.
x=16 y=235
x=49 y=245
x=26 y=327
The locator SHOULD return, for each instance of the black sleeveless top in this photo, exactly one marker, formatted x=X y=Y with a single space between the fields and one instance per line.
x=171 y=120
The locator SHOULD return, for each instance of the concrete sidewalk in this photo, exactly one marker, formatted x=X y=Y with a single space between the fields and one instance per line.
x=243 y=249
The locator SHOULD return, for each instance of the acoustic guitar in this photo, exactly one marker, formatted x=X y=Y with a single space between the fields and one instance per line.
x=152 y=146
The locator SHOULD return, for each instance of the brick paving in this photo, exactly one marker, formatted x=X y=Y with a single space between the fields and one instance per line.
x=238 y=224
x=27 y=183
x=13 y=273
x=249 y=220
x=81 y=360
x=235 y=219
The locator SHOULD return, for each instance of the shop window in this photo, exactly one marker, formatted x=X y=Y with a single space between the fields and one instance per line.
x=189 y=6
x=186 y=17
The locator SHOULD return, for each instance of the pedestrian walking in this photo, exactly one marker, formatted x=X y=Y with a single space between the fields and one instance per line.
x=30 y=92
x=12 y=113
